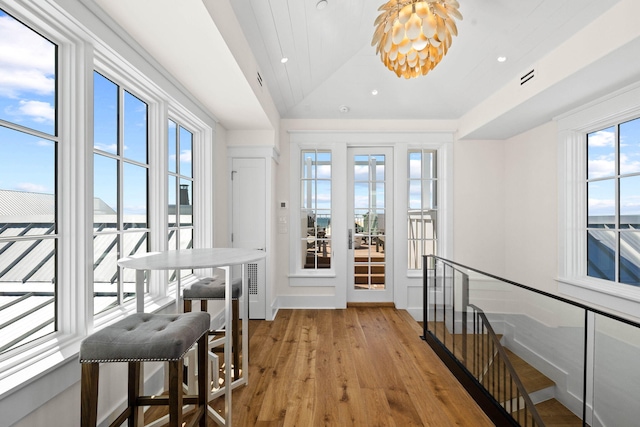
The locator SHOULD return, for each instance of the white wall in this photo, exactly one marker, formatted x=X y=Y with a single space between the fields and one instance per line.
x=479 y=205
x=531 y=208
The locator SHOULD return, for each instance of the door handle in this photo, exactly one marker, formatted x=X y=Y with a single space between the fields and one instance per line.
x=350 y=238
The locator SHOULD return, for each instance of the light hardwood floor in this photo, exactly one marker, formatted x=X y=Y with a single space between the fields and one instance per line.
x=363 y=366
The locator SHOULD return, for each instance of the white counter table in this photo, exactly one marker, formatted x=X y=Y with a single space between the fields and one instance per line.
x=183 y=259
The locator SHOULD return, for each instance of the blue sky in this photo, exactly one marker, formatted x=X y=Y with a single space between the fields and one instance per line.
x=602 y=166
x=27 y=98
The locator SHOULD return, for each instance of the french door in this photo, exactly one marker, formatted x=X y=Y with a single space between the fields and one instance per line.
x=369 y=224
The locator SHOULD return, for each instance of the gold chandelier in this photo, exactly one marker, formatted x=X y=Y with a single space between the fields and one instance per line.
x=412 y=36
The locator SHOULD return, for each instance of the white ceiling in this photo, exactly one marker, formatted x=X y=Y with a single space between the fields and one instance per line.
x=331 y=61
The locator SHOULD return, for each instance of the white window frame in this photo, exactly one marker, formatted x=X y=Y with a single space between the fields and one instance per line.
x=436 y=208
x=573 y=127
x=337 y=143
x=51 y=358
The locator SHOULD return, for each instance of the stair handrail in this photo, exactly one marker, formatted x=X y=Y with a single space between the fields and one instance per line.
x=493 y=336
x=529 y=405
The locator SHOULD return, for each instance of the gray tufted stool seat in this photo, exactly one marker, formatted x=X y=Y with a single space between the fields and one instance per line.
x=213 y=288
x=144 y=337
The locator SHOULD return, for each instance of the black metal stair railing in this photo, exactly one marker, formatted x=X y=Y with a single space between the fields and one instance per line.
x=472 y=345
x=499 y=376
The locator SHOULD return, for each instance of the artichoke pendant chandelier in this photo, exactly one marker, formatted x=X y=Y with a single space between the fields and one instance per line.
x=412 y=36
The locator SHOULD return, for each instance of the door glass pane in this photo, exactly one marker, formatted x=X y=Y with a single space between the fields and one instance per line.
x=369 y=221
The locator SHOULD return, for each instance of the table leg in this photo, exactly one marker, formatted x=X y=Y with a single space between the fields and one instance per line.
x=140 y=291
x=227 y=346
x=245 y=327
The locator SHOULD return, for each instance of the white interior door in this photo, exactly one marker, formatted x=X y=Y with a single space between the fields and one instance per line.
x=249 y=224
x=370 y=219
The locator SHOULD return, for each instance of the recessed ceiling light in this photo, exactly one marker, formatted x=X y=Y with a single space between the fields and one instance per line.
x=343 y=109
x=321 y=4
x=284 y=60
x=374 y=92
x=502 y=58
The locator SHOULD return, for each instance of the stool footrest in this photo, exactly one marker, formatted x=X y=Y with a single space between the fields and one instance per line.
x=187 y=399
x=121 y=418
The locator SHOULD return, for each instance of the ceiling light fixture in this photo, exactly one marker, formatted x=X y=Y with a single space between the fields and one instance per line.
x=502 y=58
x=321 y=4
x=284 y=59
x=374 y=92
x=412 y=36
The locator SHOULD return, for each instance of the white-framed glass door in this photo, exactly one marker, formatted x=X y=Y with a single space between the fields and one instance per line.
x=369 y=226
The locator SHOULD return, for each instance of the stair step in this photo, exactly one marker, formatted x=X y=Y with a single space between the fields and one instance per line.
x=553 y=413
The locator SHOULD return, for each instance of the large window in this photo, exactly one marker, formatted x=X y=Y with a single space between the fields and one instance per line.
x=315 y=209
x=28 y=184
x=120 y=169
x=423 y=207
x=180 y=189
x=613 y=203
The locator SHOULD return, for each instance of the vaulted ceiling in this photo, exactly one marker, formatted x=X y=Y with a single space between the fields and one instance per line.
x=331 y=62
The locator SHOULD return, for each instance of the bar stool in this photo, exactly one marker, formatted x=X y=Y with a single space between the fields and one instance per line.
x=144 y=337
x=212 y=288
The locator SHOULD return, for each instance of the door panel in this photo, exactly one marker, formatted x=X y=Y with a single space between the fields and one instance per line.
x=249 y=224
x=370 y=182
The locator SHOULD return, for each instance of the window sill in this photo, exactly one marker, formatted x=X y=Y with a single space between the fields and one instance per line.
x=623 y=299
x=311 y=275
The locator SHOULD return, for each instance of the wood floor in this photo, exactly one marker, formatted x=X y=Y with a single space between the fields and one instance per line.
x=363 y=366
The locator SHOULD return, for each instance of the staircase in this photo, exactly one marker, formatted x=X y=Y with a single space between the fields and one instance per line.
x=481 y=359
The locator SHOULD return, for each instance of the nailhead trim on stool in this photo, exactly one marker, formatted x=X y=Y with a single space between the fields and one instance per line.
x=144 y=337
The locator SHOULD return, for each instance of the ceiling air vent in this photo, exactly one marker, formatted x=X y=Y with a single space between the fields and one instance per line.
x=259 y=79
x=528 y=76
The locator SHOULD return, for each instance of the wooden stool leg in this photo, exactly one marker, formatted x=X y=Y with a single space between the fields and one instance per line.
x=235 y=337
x=175 y=393
x=135 y=416
x=89 y=394
x=187 y=306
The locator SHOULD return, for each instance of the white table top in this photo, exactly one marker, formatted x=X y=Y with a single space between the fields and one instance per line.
x=191 y=258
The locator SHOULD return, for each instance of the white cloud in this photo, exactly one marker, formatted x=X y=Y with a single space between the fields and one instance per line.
x=627 y=165
x=38 y=111
x=185 y=156
x=601 y=167
x=109 y=148
x=602 y=138
x=27 y=60
x=31 y=188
